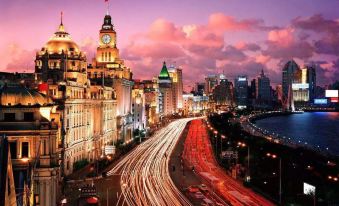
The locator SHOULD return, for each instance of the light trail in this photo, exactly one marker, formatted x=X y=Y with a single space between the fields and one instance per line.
x=145 y=178
x=198 y=153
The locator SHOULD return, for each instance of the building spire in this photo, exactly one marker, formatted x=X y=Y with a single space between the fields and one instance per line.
x=61 y=15
x=61 y=26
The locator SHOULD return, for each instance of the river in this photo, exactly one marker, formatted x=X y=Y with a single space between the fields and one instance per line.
x=319 y=130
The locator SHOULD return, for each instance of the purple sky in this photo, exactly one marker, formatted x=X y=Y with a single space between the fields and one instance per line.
x=201 y=36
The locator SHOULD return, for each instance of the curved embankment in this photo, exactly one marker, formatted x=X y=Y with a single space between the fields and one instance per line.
x=250 y=126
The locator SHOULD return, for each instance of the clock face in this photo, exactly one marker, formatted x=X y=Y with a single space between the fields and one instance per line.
x=106 y=39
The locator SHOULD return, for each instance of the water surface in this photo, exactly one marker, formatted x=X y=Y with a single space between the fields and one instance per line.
x=317 y=129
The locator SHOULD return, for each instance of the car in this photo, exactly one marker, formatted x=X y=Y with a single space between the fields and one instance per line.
x=203 y=187
x=199 y=195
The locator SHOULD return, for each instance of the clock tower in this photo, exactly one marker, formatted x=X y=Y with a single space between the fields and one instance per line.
x=107 y=52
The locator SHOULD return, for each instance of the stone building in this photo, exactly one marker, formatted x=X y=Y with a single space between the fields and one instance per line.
x=30 y=122
x=109 y=69
x=88 y=111
x=151 y=93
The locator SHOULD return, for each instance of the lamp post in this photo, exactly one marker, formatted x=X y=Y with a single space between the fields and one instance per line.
x=274 y=156
x=242 y=144
x=222 y=137
x=216 y=141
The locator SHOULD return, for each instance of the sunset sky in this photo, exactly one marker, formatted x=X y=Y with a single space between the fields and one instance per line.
x=202 y=36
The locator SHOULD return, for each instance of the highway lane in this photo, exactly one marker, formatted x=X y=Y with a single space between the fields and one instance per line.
x=198 y=153
x=145 y=178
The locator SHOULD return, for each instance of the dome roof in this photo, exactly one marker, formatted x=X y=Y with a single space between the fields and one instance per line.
x=61 y=41
x=19 y=95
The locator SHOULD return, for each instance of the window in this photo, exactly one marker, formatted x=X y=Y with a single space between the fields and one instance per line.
x=9 y=117
x=12 y=146
x=24 y=149
x=28 y=116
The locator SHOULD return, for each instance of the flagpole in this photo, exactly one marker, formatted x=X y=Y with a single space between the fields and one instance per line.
x=107 y=13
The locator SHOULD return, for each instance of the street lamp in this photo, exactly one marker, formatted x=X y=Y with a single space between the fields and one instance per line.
x=242 y=144
x=216 y=141
x=222 y=137
x=274 y=156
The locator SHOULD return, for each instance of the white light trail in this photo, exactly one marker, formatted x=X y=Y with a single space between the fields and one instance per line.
x=145 y=178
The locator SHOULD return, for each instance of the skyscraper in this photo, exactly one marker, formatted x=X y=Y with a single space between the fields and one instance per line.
x=211 y=81
x=312 y=81
x=241 y=91
x=199 y=88
x=177 y=85
x=289 y=76
x=166 y=106
x=223 y=93
x=263 y=87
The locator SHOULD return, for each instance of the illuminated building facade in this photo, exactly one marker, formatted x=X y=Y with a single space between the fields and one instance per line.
x=177 y=86
x=263 y=87
x=88 y=111
x=166 y=103
x=304 y=85
x=31 y=123
x=138 y=107
x=194 y=104
x=211 y=81
x=241 y=91
x=289 y=76
x=223 y=93
x=108 y=69
x=151 y=93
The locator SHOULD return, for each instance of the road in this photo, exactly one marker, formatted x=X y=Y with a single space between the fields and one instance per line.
x=145 y=178
x=199 y=154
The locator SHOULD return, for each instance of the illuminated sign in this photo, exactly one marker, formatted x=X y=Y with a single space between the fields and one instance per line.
x=242 y=79
x=320 y=101
x=334 y=99
x=331 y=93
x=300 y=86
x=309 y=189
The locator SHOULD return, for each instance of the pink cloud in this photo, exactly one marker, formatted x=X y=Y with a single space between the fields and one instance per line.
x=163 y=30
x=19 y=59
x=247 y=46
x=89 y=46
x=153 y=50
x=222 y=22
x=282 y=37
x=262 y=59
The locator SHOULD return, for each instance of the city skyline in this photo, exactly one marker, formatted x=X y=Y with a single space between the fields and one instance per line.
x=226 y=36
x=194 y=102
